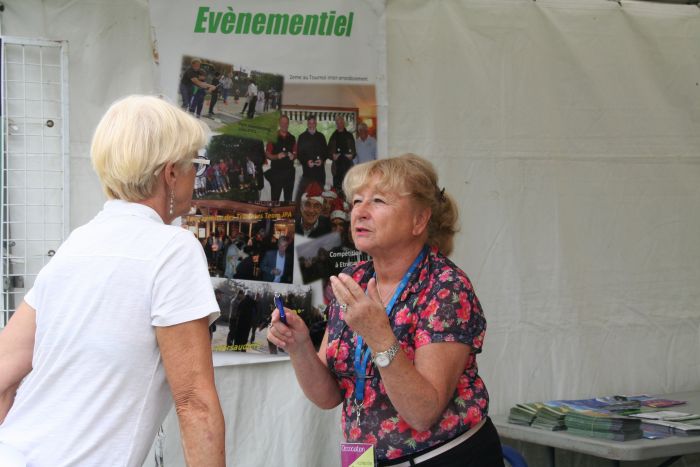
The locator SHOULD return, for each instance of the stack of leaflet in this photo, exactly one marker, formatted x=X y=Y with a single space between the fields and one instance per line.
x=661 y=403
x=617 y=404
x=523 y=414
x=598 y=424
x=669 y=422
x=550 y=417
x=608 y=417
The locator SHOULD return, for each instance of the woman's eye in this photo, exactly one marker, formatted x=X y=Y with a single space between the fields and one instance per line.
x=356 y=201
x=378 y=200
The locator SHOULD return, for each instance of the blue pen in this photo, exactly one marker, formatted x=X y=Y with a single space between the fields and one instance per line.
x=280 y=307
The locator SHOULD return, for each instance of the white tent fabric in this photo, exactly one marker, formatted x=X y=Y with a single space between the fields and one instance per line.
x=569 y=133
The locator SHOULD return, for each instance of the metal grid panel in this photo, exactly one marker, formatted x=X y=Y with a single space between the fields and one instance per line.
x=34 y=212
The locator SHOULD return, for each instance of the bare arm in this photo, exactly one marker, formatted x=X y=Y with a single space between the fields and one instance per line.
x=188 y=365
x=311 y=369
x=419 y=390
x=203 y=84
x=17 y=350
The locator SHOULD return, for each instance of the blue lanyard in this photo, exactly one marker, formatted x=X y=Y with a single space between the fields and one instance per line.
x=362 y=358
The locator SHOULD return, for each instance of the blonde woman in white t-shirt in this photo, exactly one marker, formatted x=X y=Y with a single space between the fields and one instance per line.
x=115 y=326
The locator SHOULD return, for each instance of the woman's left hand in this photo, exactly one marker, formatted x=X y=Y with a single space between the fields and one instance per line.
x=363 y=312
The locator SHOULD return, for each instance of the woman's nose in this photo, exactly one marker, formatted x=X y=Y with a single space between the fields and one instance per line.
x=359 y=210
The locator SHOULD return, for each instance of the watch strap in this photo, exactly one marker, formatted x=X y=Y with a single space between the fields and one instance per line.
x=389 y=354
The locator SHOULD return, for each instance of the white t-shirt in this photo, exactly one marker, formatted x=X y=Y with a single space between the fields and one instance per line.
x=98 y=392
x=366 y=150
x=279 y=266
x=252 y=91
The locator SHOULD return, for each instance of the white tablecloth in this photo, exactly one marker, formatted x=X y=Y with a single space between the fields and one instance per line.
x=269 y=421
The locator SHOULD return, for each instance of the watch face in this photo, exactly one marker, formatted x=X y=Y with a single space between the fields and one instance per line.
x=382 y=360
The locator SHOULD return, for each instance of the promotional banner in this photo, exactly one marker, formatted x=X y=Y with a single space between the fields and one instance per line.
x=290 y=91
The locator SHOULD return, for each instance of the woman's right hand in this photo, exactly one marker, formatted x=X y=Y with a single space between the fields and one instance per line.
x=291 y=336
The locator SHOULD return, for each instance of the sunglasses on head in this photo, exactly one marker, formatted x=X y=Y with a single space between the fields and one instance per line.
x=200 y=164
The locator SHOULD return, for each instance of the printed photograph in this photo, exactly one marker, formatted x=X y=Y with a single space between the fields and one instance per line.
x=250 y=241
x=323 y=131
x=326 y=256
x=235 y=170
x=246 y=311
x=231 y=98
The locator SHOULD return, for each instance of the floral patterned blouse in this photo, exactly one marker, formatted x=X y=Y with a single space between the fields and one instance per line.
x=437 y=305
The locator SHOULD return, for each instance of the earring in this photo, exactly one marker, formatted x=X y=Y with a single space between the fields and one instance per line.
x=171 y=209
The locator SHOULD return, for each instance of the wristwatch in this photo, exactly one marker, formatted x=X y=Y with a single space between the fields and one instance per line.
x=383 y=359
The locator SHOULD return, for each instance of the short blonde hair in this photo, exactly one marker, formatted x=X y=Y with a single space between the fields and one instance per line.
x=134 y=140
x=415 y=176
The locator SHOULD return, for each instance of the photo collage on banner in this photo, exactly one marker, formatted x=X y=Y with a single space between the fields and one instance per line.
x=289 y=92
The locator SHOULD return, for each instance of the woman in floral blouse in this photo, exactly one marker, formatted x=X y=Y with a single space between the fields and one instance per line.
x=404 y=329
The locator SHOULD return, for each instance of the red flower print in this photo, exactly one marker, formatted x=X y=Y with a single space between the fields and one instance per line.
x=473 y=416
x=347 y=385
x=464 y=312
x=382 y=389
x=445 y=276
x=402 y=425
x=478 y=341
x=423 y=274
x=443 y=294
x=463 y=381
x=330 y=350
x=479 y=384
x=420 y=436
x=403 y=317
x=470 y=361
x=465 y=394
x=343 y=351
x=355 y=433
x=429 y=310
x=388 y=425
x=393 y=453
x=370 y=395
x=422 y=337
x=482 y=403
x=371 y=439
x=463 y=299
x=449 y=422
x=436 y=323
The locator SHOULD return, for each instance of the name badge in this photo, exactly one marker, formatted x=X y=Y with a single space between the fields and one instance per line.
x=357 y=455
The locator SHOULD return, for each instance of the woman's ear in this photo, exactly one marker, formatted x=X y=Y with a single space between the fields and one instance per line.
x=170 y=174
x=420 y=220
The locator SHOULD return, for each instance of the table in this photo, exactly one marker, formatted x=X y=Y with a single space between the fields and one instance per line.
x=671 y=448
x=269 y=421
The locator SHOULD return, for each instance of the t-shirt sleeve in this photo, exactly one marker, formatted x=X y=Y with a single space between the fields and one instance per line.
x=451 y=313
x=182 y=289
x=30 y=297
